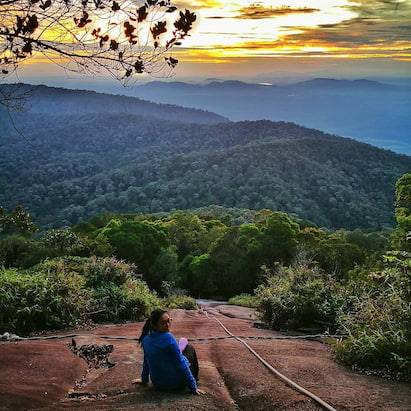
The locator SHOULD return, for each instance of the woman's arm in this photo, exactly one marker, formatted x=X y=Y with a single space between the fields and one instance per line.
x=183 y=366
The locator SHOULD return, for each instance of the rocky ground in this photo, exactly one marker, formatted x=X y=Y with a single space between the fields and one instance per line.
x=51 y=374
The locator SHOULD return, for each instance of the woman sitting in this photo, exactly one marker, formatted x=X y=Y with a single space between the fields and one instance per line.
x=170 y=366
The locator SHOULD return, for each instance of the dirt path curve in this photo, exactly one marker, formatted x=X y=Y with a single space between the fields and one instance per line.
x=39 y=374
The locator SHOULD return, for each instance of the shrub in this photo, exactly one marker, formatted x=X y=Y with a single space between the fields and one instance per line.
x=244 y=300
x=169 y=288
x=100 y=271
x=96 y=270
x=378 y=318
x=298 y=296
x=18 y=251
x=133 y=300
x=139 y=300
x=117 y=293
x=65 y=291
x=180 y=301
x=401 y=236
x=378 y=336
x=89 y=246
x=68 y=264
x=30 y=302
x=61 y=241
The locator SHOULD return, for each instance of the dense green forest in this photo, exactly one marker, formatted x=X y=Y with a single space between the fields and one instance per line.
x=117 y=267
x=71 y=167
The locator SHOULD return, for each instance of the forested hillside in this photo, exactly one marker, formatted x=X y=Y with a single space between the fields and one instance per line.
x=79 y=165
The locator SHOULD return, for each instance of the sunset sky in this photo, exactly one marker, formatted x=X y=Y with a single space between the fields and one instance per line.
x=244 y=39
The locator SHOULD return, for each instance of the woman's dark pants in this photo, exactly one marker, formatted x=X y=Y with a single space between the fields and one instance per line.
x=191 y=355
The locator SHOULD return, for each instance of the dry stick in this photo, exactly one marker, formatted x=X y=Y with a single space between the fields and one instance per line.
x=272 y=369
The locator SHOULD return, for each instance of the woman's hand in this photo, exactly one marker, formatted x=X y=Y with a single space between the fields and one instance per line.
x=139 y=382
x=199 y=392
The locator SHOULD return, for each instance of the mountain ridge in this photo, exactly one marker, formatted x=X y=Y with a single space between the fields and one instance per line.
x=45 y=99
x=366 y=110
x=319 y=81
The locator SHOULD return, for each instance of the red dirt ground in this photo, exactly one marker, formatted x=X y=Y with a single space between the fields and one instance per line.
x=39 y=374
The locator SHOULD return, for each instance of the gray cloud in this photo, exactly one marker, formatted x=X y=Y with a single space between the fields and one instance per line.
x=378 y=22
x=256 y=11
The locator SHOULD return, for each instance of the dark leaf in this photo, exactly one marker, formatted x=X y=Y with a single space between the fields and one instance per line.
x=129 y=31
x=142 y=13
x=83 y=21
x=103 y=39
x=185 y=22
x=158 y=29
x=113 y=45
x=19 y=24
x=32 y=24
x=172 y=62
x=27 y=48
x=139 y=66
x=45 y=5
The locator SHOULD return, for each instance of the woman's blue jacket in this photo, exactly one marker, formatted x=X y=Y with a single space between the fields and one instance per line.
x=167 y=367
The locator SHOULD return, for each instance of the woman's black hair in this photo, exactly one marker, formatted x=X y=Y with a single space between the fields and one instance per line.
x=151 y=323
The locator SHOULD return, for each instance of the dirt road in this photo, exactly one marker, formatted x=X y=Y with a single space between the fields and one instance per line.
x=40 y=374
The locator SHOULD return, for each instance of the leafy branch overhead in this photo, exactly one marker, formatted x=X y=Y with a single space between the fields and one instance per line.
x=120 y=37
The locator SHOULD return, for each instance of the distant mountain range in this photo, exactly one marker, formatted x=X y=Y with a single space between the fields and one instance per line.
x=317 y=83
x=366 y=110
x=53 y=100
x=330 y=84
x=79 y=158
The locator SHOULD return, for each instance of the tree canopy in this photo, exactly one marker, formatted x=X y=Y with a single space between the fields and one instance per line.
x=125 y=163
x=120 y=38
x=402 y=234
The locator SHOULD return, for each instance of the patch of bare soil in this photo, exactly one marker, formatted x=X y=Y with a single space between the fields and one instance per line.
x=231 y=375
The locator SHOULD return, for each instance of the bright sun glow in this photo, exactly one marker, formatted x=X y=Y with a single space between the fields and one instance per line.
x=229 y=24
x=229 y=29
